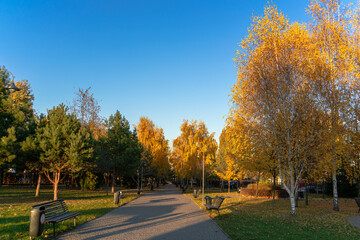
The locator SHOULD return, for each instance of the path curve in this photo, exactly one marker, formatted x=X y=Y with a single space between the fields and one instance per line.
x=163 y=214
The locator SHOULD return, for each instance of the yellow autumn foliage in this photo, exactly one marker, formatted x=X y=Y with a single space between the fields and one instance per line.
x=152 y=139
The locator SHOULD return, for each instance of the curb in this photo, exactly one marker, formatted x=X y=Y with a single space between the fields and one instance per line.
x=97 y=217
x=210 y=218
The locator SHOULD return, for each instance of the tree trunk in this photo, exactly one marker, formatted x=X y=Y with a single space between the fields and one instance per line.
x=113 y=184
x=306 y=195
x=257 y=188
x=222 y=185
x=56 y=190
x=37 y=192
x=31 y=177
x=108 y=184
x=191 y=183
x=292 y=203
x=139 y=184
x=317 y=189
x=335 y=192
x=24 y=177
x=72 y=182
x=1 y=176
x=229 y=186
x=274 y=189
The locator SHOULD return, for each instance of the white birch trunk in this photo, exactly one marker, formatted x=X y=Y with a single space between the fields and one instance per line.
x=292 y=203
x=335 y=192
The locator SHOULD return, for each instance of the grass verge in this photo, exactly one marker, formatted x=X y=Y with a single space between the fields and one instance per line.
x=16 y=203
x=251 y=219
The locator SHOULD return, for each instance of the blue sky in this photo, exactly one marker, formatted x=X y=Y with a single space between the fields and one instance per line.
x=168 y=60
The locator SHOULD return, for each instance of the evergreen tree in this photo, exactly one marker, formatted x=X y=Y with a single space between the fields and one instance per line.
x=121 y=150
x=17 y=121
x=64 y=145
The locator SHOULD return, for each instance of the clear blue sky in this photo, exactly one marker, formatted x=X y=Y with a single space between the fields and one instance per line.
x=168 y=60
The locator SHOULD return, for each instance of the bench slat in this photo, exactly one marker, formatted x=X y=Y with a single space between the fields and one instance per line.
x=62 y=217
x=48 y=203
x=57 y=208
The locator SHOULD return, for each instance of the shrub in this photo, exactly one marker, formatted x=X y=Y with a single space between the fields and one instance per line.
x=264 y=193
x=89 y=182
x=267 y=186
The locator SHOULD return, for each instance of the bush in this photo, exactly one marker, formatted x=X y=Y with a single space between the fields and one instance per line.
x=267 y=186
x=89 y=182
x=264 y=193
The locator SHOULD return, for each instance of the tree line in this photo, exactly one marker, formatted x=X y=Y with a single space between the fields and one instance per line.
x=74 y=144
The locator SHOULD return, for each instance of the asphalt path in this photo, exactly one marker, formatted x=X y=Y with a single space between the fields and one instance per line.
x=163 y=214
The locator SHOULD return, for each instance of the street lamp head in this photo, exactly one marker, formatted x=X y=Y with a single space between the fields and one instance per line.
x=12 y=84
x=13 y=87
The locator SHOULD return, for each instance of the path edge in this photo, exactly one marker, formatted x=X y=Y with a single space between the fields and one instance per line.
x=97 y=217
x=209 y=217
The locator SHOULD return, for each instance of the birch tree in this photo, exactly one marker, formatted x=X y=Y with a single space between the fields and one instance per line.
x=274 y=90
x=330 y=31
x=153 y=140
x=192 y=147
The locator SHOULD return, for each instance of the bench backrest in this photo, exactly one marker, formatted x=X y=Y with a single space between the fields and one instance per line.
x=217 y=201
x=53 y=207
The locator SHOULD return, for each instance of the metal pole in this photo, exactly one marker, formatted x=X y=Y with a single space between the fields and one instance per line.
x=203 y=180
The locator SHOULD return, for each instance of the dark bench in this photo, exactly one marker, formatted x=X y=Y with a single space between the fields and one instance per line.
x=56 y=211
x=357 y=200
x=196 y=193
x=213 y=203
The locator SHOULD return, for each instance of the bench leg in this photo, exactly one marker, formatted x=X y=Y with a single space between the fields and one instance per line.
x=54 y=230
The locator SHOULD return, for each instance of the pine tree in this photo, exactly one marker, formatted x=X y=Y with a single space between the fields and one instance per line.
x=64 y=145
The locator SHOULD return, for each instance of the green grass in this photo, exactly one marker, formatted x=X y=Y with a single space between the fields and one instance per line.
x=250 y=218
x=16 y=202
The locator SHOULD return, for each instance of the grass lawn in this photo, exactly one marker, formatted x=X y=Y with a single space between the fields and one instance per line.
x=16 y=202
x=250 y=218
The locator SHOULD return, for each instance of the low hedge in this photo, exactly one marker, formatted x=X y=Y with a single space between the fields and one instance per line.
x=264 y=193
x=263 y=186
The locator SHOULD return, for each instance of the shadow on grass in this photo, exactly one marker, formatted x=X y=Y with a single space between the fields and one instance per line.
x=16 y=220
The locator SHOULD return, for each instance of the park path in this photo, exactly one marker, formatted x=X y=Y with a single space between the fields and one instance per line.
x=163 y=214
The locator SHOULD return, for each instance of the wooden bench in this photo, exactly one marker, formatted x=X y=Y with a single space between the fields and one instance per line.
x=357 y=200
x=56 y=211
x=213 y=203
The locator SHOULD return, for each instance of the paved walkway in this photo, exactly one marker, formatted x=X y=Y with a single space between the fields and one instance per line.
x=355 y=221
x=164 y=214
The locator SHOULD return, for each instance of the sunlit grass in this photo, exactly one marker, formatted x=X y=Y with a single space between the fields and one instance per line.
x=250 y=218
x=16 y=203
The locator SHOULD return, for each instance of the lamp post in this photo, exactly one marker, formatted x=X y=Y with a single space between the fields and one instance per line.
x=203 y=177
x=12 y=85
